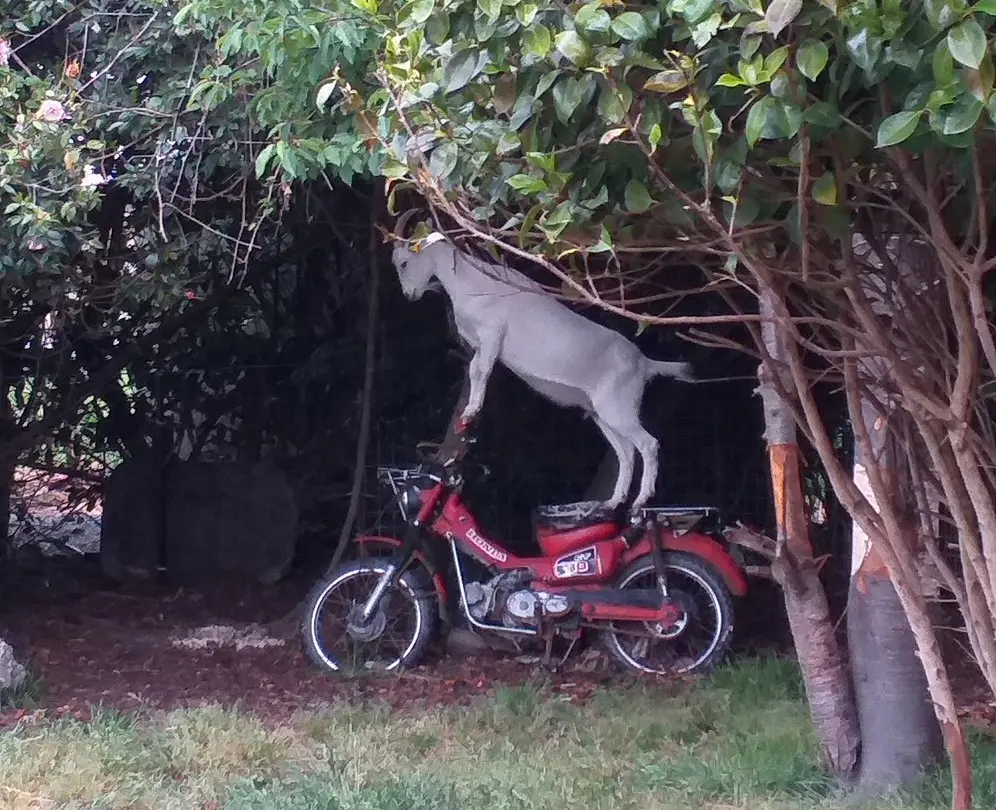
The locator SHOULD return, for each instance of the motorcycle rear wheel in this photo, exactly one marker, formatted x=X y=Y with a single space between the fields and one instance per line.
x=696 y=585
x=358 y=649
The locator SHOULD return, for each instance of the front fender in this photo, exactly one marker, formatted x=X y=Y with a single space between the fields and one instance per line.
x=371 y=542
x=702 y=546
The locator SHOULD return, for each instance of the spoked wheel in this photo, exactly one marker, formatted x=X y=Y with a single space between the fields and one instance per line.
x=396 y=636
x=697 y=642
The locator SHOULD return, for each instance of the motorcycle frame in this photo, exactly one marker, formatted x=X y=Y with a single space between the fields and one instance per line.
x=444 y=515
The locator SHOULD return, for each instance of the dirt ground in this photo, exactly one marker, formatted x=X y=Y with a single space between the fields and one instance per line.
x=120 y=649
x=96 y=645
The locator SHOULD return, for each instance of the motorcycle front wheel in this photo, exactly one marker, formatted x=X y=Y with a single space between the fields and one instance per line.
x=693 y=645
x=397 y=635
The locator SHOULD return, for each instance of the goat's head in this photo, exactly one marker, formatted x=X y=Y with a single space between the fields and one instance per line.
x=416 y=267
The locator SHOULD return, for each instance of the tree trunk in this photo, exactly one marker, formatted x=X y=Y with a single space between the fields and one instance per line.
x=367 y=392
x=900 y=736
x=824 y=669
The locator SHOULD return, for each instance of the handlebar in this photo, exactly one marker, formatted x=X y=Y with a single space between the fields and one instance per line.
x=428 y=453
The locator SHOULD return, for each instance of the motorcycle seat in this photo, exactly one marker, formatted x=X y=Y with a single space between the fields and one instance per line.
x=555 y=518
x=562 y=528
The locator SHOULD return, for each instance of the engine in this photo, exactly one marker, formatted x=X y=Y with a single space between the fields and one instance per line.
x=501 y=600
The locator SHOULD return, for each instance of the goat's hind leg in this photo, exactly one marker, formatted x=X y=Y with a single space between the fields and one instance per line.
x=625 y=456
x=648 y=448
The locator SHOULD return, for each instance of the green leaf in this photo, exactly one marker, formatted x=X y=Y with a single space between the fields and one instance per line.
x=264 y=158
x=537 y=40
x=508 y=142
x=630 y=26
x=865 y=48
x=967 y=42
x=822 y=114
x=811 y=58
x=980 y=82
x=962 y=115
x=421 y=10
x=780 y=14
x=655 y=137
x=573 y=47
x=592 y=17
x=525 y=13
x=986 y=7
x=527 y=184
x=637 y=197
x=780 y=86
x=703 y=32
x=667 y=81
x=825 y=189
x=567 y=95
x=546 y=82
x=614 y=103
x=554 y=223
x=774 y=60
x=460 y=70
x=604 y=243
x=490 y=8
x=727 y=174
x=897 y=128
x=943 y=63
x=757 y=119
x=729 y=80
x=749 y=43
x=696 y=10
x=444 y=159
x=705 y=135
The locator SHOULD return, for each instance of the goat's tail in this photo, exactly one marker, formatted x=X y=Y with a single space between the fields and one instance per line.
x=666 y=368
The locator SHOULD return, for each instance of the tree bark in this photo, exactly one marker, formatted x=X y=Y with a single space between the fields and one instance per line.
x=824 y=668
x=366 y=394
x=900 y=735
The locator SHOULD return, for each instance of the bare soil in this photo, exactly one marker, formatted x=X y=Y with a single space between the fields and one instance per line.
x=119 y=649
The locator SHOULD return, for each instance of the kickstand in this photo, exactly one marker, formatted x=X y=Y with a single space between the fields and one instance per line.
x=547 y=651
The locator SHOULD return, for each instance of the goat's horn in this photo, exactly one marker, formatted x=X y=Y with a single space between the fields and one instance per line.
x=402 y=223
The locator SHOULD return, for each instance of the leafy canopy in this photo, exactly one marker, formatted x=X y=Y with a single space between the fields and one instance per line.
x=594 y=125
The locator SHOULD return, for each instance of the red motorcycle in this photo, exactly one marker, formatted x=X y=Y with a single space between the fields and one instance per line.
x=656 y=593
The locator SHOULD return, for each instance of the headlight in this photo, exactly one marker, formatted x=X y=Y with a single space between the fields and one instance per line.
x=410 y=500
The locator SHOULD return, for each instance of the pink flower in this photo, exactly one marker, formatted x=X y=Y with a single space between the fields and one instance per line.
x=4 y=53
x=51 y=111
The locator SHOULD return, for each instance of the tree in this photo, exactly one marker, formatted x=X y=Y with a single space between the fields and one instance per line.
x=759 y=141
x=128 y=211
x=755 y=143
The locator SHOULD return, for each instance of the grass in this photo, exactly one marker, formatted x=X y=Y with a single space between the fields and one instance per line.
x=741 y=738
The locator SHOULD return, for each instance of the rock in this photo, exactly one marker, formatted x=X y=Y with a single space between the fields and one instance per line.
x=464 y=641
x=12 y=673
x=198 y=521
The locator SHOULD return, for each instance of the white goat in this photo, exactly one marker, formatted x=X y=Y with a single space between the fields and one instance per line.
x=504 y=315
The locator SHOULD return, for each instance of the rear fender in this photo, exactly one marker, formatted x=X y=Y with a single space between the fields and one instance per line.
x=372 y=543
x=702 y=546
